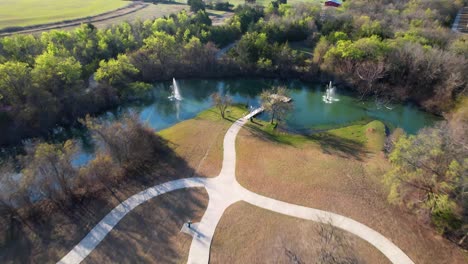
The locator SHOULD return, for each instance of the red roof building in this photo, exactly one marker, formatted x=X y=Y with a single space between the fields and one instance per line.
x=334 y=3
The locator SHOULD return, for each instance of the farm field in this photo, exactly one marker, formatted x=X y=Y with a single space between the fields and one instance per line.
x=15 y=13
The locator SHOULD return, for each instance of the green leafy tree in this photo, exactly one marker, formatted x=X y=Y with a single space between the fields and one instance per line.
x=426 y=176
x=15 y=82
x=116 y=72
x=196 y=5
x=21 y=48
x=56 y=70
x=252 y=47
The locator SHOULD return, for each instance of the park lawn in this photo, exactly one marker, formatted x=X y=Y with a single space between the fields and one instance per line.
x=33 y=12
x=249 y=234
x=199 y=141
x=339 y=171
x=151 y=232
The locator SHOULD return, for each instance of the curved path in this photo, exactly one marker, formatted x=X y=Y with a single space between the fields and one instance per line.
x=223 y=191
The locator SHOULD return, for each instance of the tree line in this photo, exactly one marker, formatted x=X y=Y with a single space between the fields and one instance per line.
x=44 y=80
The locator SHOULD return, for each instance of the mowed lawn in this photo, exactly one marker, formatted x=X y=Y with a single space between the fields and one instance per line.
x=199 y=141
x=33 y=12
x=339 y=171
x=249 y=234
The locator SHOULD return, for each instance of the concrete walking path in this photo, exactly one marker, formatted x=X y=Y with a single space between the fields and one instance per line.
x=223 y=191
x=100 y=231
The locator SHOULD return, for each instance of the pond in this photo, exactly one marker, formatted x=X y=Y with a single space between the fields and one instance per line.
x=310 y=112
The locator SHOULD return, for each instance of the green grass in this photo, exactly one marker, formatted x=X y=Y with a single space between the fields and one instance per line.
x=369 y=134
x=33 y=12
x=372 y=134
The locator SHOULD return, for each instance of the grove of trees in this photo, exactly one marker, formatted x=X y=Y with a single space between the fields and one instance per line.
x=382 y=48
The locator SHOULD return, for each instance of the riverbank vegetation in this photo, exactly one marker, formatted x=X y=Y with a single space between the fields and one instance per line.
x=51 y=192
x=44 y=80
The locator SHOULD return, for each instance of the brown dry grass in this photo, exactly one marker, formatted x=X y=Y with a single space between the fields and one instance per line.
x=269 y=235
x=199 y=141
x=348 y=184
x=151 y=233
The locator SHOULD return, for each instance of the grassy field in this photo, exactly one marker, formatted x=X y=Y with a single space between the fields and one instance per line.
x=339 y=171
x=33 y=12
x=199 y=141
x=274 y=238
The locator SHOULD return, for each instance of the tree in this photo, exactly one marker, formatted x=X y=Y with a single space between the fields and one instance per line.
x=102 y=171
x=116 y=72
x=134 y=146
x=273 y=102
x=15 y=82
x=427 y=176
x=49 y=171
x=196 y=5
x=12 y=195
x=222 y=102
x=370 y=72
x=55 y=70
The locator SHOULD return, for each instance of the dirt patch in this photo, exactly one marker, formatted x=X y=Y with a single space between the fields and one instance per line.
x=275 y=238
x=342 y=184
x=151 y=233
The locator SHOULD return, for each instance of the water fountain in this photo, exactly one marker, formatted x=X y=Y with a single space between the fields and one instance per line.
x=175 y=91
x=329 y=94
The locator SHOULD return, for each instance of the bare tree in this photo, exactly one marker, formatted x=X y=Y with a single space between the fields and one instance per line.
x=273 y=101
x=222 y=102
x=370 y=72
x=133 y=145
x=48 y=168
x=11 y=193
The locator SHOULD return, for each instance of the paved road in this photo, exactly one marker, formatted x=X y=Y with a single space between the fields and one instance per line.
x=223 y=191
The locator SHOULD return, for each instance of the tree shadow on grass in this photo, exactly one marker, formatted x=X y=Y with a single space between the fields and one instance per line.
x=49 y=235
x=329 y=144
x=152 y=231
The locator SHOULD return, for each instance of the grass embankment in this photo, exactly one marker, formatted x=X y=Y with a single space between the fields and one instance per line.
x=199 y=141
x=151 y=233
x=341 y=171
x=15 y=13
x=275 y=238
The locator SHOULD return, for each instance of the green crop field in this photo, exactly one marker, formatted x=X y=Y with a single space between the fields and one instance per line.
x=32 y=12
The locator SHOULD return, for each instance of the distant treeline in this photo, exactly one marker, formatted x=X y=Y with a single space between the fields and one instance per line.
x=401 y=51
